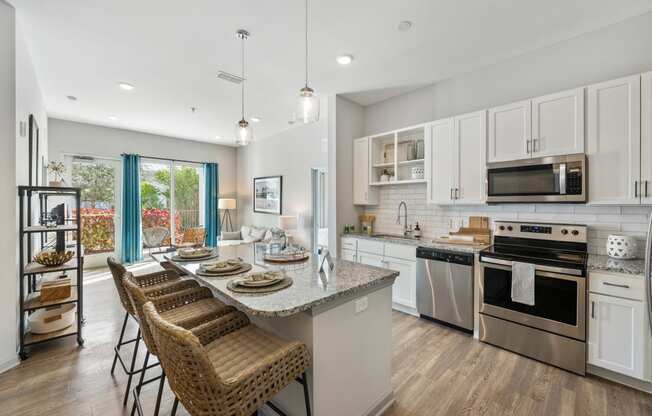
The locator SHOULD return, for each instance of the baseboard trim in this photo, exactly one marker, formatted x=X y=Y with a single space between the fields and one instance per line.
x=382 y=405
x=634 y=383
x=405 y=309
x=8 y=365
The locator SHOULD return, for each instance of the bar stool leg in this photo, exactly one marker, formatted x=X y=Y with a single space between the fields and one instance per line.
x=160 y=393
x=122 y=334
x=304 y=382
x=140 y=383
x=131 y=369
x=174 y=406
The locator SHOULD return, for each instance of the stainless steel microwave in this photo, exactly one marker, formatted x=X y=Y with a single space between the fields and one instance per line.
x=546 y=179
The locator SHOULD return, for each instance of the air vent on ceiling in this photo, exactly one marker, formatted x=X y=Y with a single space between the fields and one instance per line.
x=236 y=79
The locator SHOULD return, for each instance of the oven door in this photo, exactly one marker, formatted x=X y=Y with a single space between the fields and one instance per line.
x=560 y=299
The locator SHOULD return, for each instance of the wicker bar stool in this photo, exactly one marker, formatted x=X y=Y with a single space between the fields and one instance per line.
x=227 y=367
x=154 y=284
x=187 y=308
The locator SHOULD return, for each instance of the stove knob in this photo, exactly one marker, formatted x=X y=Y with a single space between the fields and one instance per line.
x=575 y=232
x=564 y=231
x=501 y=228
x=509 y=228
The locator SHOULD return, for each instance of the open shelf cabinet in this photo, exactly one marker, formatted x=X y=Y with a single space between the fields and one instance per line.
x=31 y=273
x=398 y=157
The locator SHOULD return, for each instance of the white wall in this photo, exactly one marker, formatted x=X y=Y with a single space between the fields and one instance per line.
x=68 y=137
x=8 y=224
x=292 y=154
x=618 y=50
x=349 y=125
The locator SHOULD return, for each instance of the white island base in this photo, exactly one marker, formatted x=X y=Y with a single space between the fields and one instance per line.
x=351 y=350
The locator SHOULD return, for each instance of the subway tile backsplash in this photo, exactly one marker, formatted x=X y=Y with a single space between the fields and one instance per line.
x=437 y=220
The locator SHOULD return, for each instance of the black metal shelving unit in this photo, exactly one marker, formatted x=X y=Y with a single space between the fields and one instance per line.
x=29 y=270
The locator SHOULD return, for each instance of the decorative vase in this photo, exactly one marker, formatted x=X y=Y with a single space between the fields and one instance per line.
x=621 y=246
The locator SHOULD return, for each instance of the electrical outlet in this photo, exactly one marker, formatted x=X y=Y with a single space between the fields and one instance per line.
x=361 y=305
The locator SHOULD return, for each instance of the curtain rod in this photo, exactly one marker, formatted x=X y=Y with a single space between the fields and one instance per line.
x=170 y=160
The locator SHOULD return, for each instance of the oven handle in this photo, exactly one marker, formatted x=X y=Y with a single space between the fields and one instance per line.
x=538 y=268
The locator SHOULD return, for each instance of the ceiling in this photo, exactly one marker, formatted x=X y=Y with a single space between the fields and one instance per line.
x=171 y=51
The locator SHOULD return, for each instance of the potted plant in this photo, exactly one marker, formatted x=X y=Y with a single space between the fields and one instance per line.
x=56 y=170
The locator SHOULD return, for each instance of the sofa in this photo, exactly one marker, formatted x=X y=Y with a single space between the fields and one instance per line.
x=251 y=234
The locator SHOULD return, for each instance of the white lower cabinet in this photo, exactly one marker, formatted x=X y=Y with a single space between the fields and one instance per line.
x=348 y=255
x=404 y=290
x=370 y=259
x=618 y=331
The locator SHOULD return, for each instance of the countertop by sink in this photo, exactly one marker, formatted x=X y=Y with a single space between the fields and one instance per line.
x=602 y=263
x=422 y=242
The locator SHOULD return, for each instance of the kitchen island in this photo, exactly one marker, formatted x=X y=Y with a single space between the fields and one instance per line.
x=343 y=315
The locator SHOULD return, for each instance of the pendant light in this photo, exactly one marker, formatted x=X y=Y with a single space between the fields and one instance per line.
x=244 y=133
x=308 y=103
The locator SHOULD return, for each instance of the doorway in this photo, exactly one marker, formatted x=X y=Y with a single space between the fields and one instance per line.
x=319 y=180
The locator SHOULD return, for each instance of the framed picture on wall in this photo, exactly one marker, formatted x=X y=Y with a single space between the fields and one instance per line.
x=34 y=153
x=268 y=195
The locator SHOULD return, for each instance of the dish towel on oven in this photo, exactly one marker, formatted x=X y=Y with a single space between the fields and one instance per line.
x=523 y=283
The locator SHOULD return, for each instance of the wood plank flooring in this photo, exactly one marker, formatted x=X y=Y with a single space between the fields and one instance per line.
x=436 y=371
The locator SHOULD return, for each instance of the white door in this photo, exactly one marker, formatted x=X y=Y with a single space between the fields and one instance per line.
x=558 y=123
x=510 y=132
x=348 y=255
x=361 y=191
x=613 y=144
x=404 y=289
x=646 y=138
x=470 y=143
x=370 y=259
x=441 y=153
x=616 y=330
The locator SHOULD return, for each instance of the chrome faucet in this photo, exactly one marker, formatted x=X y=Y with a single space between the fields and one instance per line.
x=406 y=229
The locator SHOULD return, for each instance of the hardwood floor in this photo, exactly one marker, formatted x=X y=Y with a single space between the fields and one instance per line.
x=436 y=371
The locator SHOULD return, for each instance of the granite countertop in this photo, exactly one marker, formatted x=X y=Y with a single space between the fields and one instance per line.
x=607 y=264
x=422 y=242
x=309 y=288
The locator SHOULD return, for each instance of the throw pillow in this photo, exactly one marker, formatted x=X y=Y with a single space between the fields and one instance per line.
x=235 y=235
x=258 y=233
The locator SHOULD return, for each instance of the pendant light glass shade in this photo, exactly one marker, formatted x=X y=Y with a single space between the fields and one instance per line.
x=308 y=106
x=308 y=103
x=244 y=134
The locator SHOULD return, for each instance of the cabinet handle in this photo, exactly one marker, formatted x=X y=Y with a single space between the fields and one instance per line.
x=457 y=193
x=615 y=285
x=527 y=146
x=635 y=189
x=451 y=193
x=646 y=188
x=592 y=310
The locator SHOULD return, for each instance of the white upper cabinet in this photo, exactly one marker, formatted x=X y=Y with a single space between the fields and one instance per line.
x=440 y=150
x=362 y=193
x=470 y=138
x=558 y=123
x=646 y=138
x=510 y=132
x=613 y=143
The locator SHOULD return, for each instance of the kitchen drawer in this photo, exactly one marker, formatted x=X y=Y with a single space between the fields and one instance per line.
x=349 y=243
x=370 y=246
x=611 y=284
x=401 y=251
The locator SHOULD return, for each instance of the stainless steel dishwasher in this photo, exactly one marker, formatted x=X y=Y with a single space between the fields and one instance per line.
x=445 y=287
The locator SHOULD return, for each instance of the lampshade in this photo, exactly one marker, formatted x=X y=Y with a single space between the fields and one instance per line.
x=307 y=106
x=226 y=203
x=287 y=222
x=244 y=134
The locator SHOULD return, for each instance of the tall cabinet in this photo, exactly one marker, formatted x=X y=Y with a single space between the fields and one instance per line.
x=363 y=194
x=614 y=142
x=456 y=151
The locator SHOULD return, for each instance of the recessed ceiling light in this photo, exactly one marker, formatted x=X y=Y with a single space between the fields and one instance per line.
x=113 y=118
x=71 y=97
x=126 y=86
x=255 y=119
x=344 y=59
x=404 y=25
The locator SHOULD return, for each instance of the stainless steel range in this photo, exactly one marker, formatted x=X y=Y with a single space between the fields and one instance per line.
x=553 y=329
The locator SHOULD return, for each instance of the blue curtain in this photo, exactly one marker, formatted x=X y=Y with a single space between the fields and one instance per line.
x=211 y=214
x=131 y=245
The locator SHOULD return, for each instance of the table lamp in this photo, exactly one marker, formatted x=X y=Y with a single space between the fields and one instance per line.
x=286 y=223
x=226 y=205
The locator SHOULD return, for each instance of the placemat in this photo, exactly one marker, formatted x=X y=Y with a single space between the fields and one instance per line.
x=285 y=283
x=196 y=259
x=243 y=269
x=286 y=260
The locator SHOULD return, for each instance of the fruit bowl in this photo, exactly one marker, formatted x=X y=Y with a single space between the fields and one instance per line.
x=53 y=258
